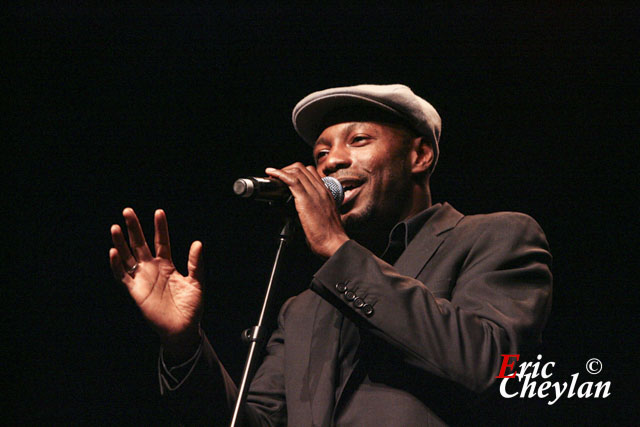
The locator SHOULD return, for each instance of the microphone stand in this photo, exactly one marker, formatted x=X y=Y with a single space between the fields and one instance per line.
x=256 y=335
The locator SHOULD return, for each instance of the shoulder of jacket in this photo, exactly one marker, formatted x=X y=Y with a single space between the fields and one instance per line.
x=510 y=221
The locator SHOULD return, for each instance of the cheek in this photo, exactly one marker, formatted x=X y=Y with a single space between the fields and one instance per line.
x=393 y=170
x=376 y=162
x=385 y=169
x=367 y=162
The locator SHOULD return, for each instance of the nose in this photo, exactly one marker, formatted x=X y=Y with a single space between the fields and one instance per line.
x=339 y=157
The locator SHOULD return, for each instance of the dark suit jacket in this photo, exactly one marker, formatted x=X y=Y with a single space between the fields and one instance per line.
x=431 y=330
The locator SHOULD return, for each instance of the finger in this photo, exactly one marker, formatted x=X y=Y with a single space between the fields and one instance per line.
x=287 y=172
x=318 y=180
x=161 y=240
x=118 y=268
x=303 y=192
x=136 y=237
x=195 y=265
x=297 y=166
x=312 y=183
x=295 y=176
x=309 y=172
x=314 y=172
x=277 y=173
x=121 y=245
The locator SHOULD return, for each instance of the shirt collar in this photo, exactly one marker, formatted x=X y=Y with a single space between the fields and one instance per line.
x=403 y=232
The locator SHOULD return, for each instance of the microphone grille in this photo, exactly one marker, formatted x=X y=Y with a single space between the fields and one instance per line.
x=335 y=188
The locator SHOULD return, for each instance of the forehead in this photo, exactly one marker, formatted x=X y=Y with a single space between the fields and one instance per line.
x=357 y=113
x=343 y=130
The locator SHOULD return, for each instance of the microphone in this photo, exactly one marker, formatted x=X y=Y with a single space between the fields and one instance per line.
x=271 y=189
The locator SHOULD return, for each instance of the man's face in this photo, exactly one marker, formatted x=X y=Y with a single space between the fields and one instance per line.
x=372 y=162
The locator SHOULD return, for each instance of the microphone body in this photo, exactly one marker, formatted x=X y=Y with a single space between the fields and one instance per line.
x=271 y=189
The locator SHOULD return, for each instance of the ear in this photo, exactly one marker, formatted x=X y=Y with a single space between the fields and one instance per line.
x=421 y=155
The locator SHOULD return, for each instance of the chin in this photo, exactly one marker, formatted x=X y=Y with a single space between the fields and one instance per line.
x=357 y=222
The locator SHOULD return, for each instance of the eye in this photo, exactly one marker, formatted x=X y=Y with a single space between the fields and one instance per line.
x=360 y=139
x=320 y=154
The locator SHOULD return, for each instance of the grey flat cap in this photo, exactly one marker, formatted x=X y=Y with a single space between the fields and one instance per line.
x=309 y=115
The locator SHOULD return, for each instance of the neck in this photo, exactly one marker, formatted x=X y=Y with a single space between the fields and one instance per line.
x=421 y=200
x=375 y=236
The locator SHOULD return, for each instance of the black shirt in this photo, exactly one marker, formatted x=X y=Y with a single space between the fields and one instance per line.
x=403 y=232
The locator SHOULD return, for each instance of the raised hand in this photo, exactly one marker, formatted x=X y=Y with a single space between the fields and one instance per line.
x=171 y=302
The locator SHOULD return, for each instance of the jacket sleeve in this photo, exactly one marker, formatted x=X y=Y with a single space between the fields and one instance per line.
x=207 y=395
x=499 y=302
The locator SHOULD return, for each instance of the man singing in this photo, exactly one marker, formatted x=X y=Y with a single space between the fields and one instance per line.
x=405 y=322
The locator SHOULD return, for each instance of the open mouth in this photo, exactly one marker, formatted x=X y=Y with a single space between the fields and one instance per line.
x=351 y=189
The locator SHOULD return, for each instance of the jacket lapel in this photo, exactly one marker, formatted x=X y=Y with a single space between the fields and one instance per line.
x=427 y=241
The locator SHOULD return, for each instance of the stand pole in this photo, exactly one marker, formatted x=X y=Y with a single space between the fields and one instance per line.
x=257 y=334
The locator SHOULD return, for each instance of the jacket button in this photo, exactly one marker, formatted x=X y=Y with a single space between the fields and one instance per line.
x=341 y=286
x=349 y=295
x=358 y=302
x=367 y=309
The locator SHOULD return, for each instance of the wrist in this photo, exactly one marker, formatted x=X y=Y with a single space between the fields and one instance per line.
x=336 y=244
x=179 y=347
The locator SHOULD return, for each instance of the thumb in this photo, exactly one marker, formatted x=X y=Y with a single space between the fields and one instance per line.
x=195 y=264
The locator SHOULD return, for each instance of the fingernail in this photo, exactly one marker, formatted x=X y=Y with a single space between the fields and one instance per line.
x=267 y=170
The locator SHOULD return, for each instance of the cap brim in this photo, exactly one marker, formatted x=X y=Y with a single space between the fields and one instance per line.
x=309 y=118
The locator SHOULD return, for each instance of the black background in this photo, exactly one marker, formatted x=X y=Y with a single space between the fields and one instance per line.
x=154 y=106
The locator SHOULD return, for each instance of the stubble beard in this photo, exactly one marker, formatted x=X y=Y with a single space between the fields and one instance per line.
x=372 y=226
x=360 y=223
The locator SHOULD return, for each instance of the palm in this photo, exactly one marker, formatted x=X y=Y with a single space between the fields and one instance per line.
x=168 y=300
x=171 y=302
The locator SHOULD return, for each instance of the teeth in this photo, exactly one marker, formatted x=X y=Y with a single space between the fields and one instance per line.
x=349 y=186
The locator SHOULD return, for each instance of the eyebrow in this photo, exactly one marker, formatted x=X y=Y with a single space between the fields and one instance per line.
x=345 y=131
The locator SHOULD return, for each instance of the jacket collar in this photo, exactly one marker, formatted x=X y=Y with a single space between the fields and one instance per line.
x=429 y=238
